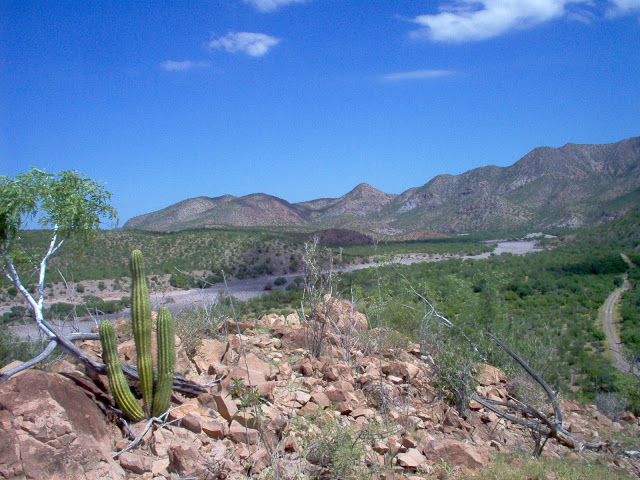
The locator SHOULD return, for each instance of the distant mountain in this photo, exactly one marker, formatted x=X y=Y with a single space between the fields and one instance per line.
x=549 y=187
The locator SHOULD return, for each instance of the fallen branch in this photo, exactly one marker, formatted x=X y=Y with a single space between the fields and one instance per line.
x=544 y=426
x=67 y=346
x=161 y=420
x=30 y=363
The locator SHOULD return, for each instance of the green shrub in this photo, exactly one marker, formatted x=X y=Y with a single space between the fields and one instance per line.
x=13 y=347
x=334 y=450
x=279 y=281
x=195 y=324
x=179 y=280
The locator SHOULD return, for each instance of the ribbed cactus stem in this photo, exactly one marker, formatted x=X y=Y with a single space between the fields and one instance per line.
x=166 y=362
x=117 y=383
x=141 y=326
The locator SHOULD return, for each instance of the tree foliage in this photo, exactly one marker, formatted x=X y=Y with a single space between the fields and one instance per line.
x=68 y=202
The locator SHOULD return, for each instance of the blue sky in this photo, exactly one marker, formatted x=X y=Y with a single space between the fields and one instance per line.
x=305 y=99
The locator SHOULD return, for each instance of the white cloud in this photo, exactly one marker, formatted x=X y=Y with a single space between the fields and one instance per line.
x=271 y=5
x=469 y=20
x=622 y=7
x=415 y=75
x=183 y=66
x=254 y=44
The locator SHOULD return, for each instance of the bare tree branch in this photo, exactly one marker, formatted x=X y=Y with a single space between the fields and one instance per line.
x=45 y=353
x=545 y=426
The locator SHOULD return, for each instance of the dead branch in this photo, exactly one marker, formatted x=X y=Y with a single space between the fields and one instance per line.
x=544 y=426
x=161 y=420
x=67 y=346
x=46 y=352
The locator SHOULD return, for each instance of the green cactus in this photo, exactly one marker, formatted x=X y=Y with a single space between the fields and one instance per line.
x=155 y=402
x=117 y=383
x=166 y=361
x=141 y=326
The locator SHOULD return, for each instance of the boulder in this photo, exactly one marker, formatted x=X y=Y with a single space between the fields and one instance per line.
x=50 y=426
x=210 y=352
x=340 y=315
x=136 y=463
x=456 y=453
x=240 y=434
x=490 y=375
x=185 y=459
x=412 y=458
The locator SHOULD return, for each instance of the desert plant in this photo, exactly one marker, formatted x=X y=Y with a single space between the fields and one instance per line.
x=155 y=401
x=70 y=203
x=333 y=450
x=610 y=404
x=319 y=283
x=194 y=324
x=117 y=383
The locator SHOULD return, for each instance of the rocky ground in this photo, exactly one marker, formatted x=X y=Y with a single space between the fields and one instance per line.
x=367 y=406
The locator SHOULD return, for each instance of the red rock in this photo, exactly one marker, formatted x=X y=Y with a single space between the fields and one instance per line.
x=381 y=447
x=260 y=460
x=272 y=320
x=50 y=426
x=304 y=366
x=266 y=390
x=225 y=406
x=192 y=423
x=185 y=459
x=311 y=382
x=291 y=444
x=628 y=417
x=284 y=371
x=456 y=453
x=490 y=375
x=412 y=458
x=320 y=399
x=136 y=463
x=240 y=434
x=214 y=429
x=408 y=443
x=210 y=351
x=344 y=316
x=302 y=397
x=292 y=320
x=10 y=366
x=160 y=467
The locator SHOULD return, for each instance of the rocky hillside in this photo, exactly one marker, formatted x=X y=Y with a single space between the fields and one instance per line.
x=365 y=409
x=571 y=186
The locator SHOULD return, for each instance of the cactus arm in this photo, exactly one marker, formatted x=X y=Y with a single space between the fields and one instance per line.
x=141 y=326
x=117 y=383
x=166 y=362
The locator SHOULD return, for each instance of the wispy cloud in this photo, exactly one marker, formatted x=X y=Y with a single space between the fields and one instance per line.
x=253 y=44
x=469 y=20
x=183 y=66
x=415 y=75
x=271 y=5
x=623 y=7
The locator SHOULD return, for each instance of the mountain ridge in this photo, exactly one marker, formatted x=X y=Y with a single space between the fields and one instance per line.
x=568 y=186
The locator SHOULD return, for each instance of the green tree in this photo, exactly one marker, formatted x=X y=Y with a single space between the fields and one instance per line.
x=69 y=204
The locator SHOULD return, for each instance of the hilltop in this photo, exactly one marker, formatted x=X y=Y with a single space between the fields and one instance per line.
x=571 y=186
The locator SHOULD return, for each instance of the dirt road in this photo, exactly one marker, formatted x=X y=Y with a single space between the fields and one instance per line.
x=608 y=323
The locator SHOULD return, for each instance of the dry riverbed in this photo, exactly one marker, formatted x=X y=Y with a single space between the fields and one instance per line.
x=177 y=300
